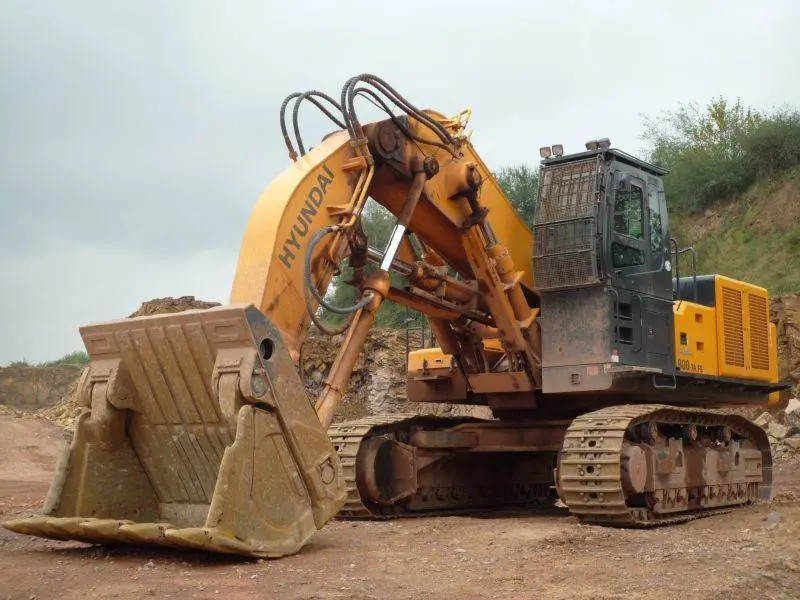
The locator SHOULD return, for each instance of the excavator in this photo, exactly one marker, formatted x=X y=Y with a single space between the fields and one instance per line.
x=607 y=372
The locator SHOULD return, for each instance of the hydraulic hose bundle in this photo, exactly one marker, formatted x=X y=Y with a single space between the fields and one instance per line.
x=378 y=92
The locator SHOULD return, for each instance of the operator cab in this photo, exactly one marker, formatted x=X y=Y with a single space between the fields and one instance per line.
x=602 y=266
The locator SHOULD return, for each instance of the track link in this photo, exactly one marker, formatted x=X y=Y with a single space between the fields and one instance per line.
x=346 y=438
x=590 y=466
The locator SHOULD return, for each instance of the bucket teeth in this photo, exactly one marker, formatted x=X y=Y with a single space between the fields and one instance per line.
x=146 y=533
x=101 y=530
x=202 y=538
x=193 y=435
x=49 y=527
x=106 y=531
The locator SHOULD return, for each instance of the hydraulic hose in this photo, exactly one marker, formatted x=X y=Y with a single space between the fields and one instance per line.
x=310 y=97
x=312 y=244
x=326 y=329
x=354 y=126
x=390 y=92
x=284 y=131
x=300 y=96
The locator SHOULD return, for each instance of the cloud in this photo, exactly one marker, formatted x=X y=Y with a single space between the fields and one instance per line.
x=135 y=137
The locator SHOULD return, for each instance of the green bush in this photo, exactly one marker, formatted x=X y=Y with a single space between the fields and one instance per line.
x=717 y=152
x=702 y=176
x=77 y=358
x=774 y=145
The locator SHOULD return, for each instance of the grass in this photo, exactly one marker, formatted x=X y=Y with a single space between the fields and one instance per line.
x=751 y=241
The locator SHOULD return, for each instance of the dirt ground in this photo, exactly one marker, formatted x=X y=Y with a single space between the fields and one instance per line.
x=754 y=553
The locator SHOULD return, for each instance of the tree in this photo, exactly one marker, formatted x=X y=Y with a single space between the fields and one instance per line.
x=704 y=150
x=520 y=184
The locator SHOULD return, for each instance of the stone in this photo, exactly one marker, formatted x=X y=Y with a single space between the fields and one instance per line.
x=793 y=442
x=791 y=416
x=773 y=519
x=763 y=419
x=777 y=431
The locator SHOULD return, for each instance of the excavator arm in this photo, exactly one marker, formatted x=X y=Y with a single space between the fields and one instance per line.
x=196 y=430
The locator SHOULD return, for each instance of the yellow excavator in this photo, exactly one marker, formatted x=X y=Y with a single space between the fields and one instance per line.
x=600 y=363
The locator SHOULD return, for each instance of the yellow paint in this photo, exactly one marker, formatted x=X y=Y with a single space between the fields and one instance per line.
x=507 y=225
x=695 y=338
x=268 y=277
x=438 y=359
x=434 y=357
x=775 y=398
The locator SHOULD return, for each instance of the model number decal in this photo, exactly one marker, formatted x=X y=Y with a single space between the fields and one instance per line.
x=686 y=365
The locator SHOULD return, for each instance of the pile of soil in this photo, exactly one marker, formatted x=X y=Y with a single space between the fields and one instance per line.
x=159 y=306
x=65 y=413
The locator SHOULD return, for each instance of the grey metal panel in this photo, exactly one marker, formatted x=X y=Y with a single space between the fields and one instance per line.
x=576 y=327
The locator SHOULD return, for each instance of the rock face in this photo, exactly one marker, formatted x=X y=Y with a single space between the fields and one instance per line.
x=66 y=412
x=785 y=313
x=378 y=382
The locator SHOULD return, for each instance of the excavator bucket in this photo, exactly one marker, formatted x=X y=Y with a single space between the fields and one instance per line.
x=196 y=433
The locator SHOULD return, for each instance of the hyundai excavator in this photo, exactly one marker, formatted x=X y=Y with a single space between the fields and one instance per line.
x=602 y=366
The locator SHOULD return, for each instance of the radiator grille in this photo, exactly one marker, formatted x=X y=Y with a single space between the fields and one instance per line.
x=564 y=253
x=733 y=332
x=759 y=332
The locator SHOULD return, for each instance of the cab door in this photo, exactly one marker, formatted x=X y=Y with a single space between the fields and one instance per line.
x=642 y=298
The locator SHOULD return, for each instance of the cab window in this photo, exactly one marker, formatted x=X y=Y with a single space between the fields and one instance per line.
x=627 y=250
x=656 y=227
x=628 y=212
x=626 y=256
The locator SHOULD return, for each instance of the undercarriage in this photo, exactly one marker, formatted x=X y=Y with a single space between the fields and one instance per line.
x=626 y=466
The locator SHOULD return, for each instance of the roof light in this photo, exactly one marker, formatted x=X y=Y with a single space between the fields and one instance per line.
x=592 y=145
x=545 y=152
x=558 y=149
x=604 y=143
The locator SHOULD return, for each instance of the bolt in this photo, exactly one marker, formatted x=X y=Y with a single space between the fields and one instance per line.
x=258 y=385
x=327 y=474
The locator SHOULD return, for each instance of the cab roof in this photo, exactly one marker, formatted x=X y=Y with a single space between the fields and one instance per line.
x=608 y=154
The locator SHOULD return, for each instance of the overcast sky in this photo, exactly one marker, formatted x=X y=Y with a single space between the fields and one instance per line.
x=135 y=136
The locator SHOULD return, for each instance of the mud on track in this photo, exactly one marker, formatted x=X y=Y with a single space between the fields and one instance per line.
x=751 y=554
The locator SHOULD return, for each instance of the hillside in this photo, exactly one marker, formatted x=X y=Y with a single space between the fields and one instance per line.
x=754 y=237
